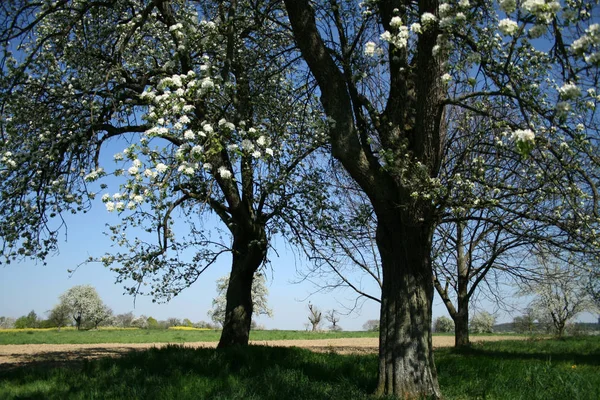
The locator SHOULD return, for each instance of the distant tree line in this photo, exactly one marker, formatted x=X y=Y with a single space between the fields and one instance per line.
x=81 y=307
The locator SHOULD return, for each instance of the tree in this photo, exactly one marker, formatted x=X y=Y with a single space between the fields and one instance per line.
x=172 y=322
x=84 y=305
x=483 y=322
x=7 y=322
x=187 y=322
x=27 y=321
x=260 y=292
x=60 y=315
x=140 y=322
x=333 y=318
x=402 y=83
x=314 y=317
x=443 y=324
x=201 y=98
x=101 y=316
x=526 y=323
x=561 y=294
x=371 y=325
x=124 y=320
x=152 y=323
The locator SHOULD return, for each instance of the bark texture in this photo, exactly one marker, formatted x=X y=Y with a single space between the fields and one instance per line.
x=249 y=251
x=409 y=129
x=406 y=364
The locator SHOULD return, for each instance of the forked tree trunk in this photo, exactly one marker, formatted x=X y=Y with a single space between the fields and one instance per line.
x=406 y=365
x=249 y=251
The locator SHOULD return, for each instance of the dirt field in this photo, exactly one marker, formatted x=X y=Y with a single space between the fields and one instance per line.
x=15 y=355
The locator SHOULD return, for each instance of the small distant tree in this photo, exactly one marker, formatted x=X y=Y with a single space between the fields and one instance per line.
x=259 y=294
x=443 y=324
x=526 y=323
x=371 y=325
x=561 y=294
x=172 y=322
x=187 y=322
x=333 y=318
x=100 y=316
x=152 y=323
x=483 y=322
x=140 y=322
x=124 y=320
x=59 y=316
x=205 y=325
x=7 y=322
x=27 y=321
x=84 y=305
x=314 y=317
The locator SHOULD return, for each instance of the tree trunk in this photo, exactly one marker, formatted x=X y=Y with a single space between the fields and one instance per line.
x=461 y=318
x=249 y=251
x=461 y=327
x=406 y=365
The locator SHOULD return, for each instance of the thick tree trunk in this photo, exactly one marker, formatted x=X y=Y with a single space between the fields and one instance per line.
x=249 y=251
x=406 y=365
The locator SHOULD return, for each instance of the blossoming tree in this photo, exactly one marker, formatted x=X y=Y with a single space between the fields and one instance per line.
x=198 y=103
x=402 y=82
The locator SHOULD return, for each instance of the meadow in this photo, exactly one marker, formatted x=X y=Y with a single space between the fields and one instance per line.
x=533 y=369
x=71 y=336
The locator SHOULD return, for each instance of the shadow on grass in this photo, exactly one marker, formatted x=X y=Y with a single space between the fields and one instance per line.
x=173 y=372
x=528 y=370
x=573 y=350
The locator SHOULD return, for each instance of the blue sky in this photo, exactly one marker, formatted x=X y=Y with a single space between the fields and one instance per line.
x=30 y=286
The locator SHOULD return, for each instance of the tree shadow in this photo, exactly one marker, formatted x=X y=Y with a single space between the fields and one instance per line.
x=255 y=372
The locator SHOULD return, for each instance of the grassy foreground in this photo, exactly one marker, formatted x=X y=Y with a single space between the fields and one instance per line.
x=70 y=336
x=548 y=369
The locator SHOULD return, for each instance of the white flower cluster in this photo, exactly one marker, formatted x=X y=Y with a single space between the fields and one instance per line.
x=224 y=173
x=118 y=201
x=587 y=46
x=543 y=10
x=523 y=135
x=508 y=27
x=371 y=49
x=450 y=15
x=399 y=37
x=94 y=175
x=569 y=91
x=428 y=20
x=7 y=160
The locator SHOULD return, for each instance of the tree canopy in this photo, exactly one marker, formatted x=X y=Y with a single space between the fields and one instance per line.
x=440 y=111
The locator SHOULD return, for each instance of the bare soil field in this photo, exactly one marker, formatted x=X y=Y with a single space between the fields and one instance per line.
x=57 y=354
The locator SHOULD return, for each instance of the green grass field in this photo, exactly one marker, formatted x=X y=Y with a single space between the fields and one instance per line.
x=155 y=336
x=543 y=369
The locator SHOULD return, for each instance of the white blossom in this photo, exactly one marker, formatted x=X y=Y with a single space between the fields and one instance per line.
x=508 y=27
x=523 y=135
x=189 y=135
x=224 y=172
x=160 y=167
x=247 y=145
x=569 y=91
x=370 y=49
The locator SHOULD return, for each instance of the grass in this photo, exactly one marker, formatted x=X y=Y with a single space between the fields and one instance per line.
x=39 y=336
x=548 y=369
